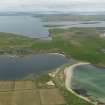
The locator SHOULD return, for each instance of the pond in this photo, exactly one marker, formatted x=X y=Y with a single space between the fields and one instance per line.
x=91 y=79
x=23 y=25
x=13 y=67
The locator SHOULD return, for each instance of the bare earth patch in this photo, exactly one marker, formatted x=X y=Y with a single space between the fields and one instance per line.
x=26 y=97
x=5 y=98
x=24 y=93
x=6 y=86
x=23 y=85
x=51 y=97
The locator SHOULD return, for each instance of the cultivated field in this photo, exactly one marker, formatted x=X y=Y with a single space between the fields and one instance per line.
x=51 y=96
x=26 y=93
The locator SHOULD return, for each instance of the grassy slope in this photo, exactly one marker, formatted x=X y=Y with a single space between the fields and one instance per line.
x=81 y=44
x=12 y=40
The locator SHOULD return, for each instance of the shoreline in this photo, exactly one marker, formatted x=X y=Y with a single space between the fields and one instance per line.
x=68 y=79
x=57 y=54
x=16 y=55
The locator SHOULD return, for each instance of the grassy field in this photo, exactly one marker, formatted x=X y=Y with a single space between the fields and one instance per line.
x=12 y=40
x=80 y=43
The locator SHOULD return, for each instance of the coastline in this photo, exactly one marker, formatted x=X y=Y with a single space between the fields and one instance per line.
x=68 y=78
x=16 y=55
x=57 y=54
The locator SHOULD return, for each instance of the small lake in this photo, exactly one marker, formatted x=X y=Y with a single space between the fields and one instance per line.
x=12 y=68
x=90 y=79
x=23 y=25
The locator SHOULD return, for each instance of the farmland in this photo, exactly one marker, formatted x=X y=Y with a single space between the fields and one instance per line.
x=25 y=93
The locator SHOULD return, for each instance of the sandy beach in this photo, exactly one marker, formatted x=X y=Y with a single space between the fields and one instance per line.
x=68 y=79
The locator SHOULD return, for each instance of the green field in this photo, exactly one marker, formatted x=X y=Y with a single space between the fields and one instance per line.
x=79 y=43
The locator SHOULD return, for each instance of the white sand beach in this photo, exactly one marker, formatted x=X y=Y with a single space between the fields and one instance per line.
x=68 y=79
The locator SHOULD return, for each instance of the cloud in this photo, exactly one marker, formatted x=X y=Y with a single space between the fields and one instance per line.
x=6 y=5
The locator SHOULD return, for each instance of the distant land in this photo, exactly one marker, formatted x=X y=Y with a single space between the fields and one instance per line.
x=51 y=12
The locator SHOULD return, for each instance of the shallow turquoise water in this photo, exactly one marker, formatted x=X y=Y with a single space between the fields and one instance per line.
x=92 y=79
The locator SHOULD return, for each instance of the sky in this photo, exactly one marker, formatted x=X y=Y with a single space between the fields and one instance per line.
x=40 y=5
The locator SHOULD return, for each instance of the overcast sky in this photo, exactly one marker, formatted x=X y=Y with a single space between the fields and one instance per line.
x=71 y=5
